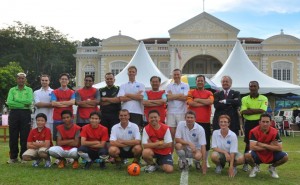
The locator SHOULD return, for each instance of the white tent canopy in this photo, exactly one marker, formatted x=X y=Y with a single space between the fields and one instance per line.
x=145 y=69
x=239 y=67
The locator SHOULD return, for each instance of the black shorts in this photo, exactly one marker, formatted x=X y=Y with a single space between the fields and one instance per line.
x=164 y=159
x=125 y=154
x=276 y=157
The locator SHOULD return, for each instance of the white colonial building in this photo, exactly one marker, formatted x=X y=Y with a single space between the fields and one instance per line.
x=200 y=45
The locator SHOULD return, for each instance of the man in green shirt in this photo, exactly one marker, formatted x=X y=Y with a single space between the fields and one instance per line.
x=253 y=106
x=19 y=101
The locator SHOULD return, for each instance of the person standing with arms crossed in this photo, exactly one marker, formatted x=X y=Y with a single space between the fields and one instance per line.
x=131 y=94
x=110 y=103
x=87 y=99
x=177 y=95
x=200 y=101
x=253 y=106
x=42 y=101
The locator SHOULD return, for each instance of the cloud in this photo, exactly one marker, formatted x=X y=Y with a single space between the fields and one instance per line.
x=259 y=6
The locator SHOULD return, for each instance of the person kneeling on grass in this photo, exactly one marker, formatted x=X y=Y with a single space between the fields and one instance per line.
x=190 y=142
x=225 y=148
x=38 y=142
x=157 y=142
x=265 y=147
x=125 y=140
x=67 y=141
x=93 y=141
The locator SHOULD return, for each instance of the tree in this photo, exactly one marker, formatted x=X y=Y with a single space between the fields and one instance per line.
x=8 y=79
x=45 y=51
x=91 y=42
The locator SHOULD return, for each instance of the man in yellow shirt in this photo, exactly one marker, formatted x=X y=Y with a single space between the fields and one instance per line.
x=253 y=106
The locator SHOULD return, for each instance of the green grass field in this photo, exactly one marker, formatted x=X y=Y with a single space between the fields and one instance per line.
x=26 y=174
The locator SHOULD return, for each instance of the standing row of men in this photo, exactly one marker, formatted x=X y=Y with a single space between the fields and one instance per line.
x=134 y=98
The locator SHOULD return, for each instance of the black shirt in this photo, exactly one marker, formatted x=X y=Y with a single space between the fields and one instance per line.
x=110 y=93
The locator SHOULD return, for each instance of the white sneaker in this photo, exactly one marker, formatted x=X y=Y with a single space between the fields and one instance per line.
x=47 y=163
x=273 y=172
x=207 y=164
x=36 y=162
x=150 y=168
x=254 y=171
x=218 y=169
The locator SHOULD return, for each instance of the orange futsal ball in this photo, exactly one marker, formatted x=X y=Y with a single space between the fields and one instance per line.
x=134 y=169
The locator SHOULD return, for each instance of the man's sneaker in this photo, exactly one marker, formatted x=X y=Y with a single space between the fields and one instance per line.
x=150 y=168
x=61 y=164
x=104 y=157
x=102 y=164
x=218 y=169
x=36 y=163
x=12 y=161
x=182 y=164
x=125 y=161
x=234 y=170
x=198 y=165
x=70 y=160
x=253 y=171
x=119 y=162
x=273 y=172
x=245 y=167
x=207 y=164
x=75 y=164
x=88 y=165
x=56 y=162
x=47 y=164
x=23 y=161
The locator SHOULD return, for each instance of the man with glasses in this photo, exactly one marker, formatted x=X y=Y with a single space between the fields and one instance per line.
x=62 y=99
x=87 y=99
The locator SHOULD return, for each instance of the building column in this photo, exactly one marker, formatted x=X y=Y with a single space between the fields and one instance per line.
x=264 y=65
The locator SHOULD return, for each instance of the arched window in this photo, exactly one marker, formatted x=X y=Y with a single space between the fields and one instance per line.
x=164 y=67
x=89 y=70
x=117 y=67
x=282 y=71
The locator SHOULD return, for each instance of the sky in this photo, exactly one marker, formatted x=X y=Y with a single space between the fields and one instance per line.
x=141 y=19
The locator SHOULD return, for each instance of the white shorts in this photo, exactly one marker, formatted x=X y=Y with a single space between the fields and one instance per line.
x=173 y=119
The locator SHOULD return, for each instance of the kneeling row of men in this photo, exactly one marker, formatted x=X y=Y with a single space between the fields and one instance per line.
x=126 y=142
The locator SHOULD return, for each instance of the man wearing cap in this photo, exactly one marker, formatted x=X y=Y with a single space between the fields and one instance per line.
x=19 y=101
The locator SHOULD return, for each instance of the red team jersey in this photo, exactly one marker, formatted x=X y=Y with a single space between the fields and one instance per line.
x=203 y=113
x=156 y=95
x=68 y=134
x=256 y=134
x=94 y=134
x=44 y=135
x=155 y=135
x=85 y=94
x=62 y=96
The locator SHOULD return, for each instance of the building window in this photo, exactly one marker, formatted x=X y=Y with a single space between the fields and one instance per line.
x=164 y=67
x=89 y=70
x=282 y=71
x=117 y=67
